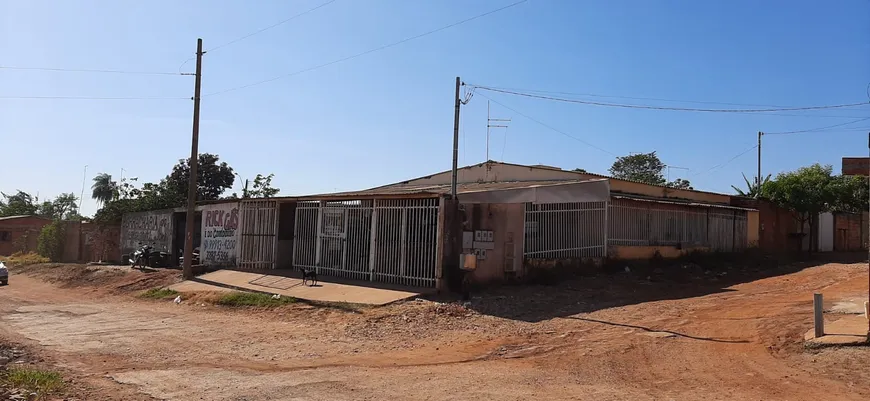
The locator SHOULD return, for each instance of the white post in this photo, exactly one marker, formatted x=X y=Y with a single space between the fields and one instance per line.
x=373 y=241
x=818 y=315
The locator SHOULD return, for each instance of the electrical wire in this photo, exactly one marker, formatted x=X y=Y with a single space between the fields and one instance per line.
x=271 y=26
x=720 y=165
x=550 y=127
x=368 y=51
x=93 y=71
x=536 y=91
x=93 y=98
x=819 y=129
x=648 y=107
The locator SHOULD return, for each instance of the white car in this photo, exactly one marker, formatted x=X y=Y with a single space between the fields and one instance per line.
x=4 y=274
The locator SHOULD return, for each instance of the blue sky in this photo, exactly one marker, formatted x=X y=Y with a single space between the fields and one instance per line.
x=388 y=115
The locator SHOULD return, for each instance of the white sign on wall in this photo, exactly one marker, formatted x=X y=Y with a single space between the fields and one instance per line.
x=220 y=234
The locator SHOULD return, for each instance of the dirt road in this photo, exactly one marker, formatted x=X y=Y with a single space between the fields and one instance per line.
x=606 y=339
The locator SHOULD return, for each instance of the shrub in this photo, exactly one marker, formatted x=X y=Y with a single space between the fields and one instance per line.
x=23 y=259
x=252 y=299
x=159 y=293
x=51 y=240
x=41 y=382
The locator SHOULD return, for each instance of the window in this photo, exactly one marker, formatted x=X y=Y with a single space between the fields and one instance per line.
x=5 y=236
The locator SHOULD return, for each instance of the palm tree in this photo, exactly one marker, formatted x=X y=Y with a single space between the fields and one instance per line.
x=104 y=189
x=753 y=190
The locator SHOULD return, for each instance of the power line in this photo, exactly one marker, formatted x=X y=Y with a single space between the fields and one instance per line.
x=370 y=50
x=271 y=26
x=536 y=91
x=819 y=129
x=545 y=125
x=93 y=98
x=648 y=107
x=93 y=71
x=720 y=165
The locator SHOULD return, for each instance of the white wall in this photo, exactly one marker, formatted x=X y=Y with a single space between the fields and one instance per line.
x=826 y=232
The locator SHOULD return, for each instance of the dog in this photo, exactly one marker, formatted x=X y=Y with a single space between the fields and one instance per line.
x=309 y=276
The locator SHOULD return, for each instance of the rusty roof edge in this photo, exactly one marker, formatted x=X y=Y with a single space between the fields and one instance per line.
x=675 y=201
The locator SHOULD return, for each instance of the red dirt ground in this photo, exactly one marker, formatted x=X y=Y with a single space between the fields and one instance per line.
x=732 y=337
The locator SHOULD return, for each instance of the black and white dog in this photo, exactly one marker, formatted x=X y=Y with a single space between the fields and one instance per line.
x=309 y=276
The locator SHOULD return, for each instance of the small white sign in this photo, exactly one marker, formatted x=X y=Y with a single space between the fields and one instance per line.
x=467 y=239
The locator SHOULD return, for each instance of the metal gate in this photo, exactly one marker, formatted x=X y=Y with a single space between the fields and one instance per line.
x=258 y=236
x=565 y=230
x=393 y=241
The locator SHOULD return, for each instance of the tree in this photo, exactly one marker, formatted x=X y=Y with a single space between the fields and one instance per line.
x=262 y=187
x=807 y=192
x=579 y=170
x=63 y=207
x=213 y=178
x=850 y=194
x=753 y=190
x=642 y=167
x=680 y=183
x=104 y=190
x=51 y=240
x=19 y=204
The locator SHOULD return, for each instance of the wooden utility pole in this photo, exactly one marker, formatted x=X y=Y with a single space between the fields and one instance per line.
x=187 y=270
x=457 y=102
x=758 y=176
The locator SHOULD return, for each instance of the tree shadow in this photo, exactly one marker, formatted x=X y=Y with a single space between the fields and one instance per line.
x=669 y=280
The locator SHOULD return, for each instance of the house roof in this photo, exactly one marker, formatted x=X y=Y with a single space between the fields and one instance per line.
x=544 y=167
x=436 y=190
x=7 y=218
x=676 y=201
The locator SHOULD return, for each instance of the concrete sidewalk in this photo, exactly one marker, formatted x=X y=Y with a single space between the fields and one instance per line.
x=847 y=330
x=325 y=291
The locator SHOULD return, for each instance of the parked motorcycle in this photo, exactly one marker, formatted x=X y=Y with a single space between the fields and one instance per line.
x=194 y=259
x=145 y=256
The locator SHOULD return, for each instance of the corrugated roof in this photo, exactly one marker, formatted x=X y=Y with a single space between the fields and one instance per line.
x=21 y=217
x=676 y=201
x=441 y=189
x=544 y=167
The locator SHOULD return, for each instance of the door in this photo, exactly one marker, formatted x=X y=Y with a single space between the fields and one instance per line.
x=258 y=238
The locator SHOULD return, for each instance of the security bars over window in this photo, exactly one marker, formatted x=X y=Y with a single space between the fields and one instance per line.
x=640 y=224
x=392 y=241
x=565 y=230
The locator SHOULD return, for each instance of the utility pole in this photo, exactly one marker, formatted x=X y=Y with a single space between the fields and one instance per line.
x=758 y=176
x=81 y=198
x=187 y=271
x=457 y=102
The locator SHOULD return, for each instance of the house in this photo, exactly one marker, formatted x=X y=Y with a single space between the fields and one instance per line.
x=411 y=232
x=20 y=233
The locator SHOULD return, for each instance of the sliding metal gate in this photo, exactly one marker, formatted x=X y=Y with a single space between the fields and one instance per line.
x=258 y=236
x=393 y=241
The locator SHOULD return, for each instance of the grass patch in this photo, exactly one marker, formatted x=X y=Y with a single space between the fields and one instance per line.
x=252 y=299
x=159 y=293
x=41 y=382
x=23 y=259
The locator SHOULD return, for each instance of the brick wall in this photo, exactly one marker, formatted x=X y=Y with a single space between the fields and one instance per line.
x=20 y=234
x=849 y=232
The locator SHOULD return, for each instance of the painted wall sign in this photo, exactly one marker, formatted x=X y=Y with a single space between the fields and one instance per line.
x=220 y=234
x=152 y=228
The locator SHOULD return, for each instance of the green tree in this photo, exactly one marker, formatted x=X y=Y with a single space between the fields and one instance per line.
x=753 y=190
x=850 y=194
x=51 y=240
x=104 y=190
x=680 y=183
x=64 y=207
x=262 y=187
x=806 y=191
x=579 y=170
x=213 y=178
x=19 y=204
x=646 y=168
x=642 y=167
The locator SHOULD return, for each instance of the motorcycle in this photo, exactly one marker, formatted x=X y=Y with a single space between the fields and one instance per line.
x=194 y=259
x=145 y=256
